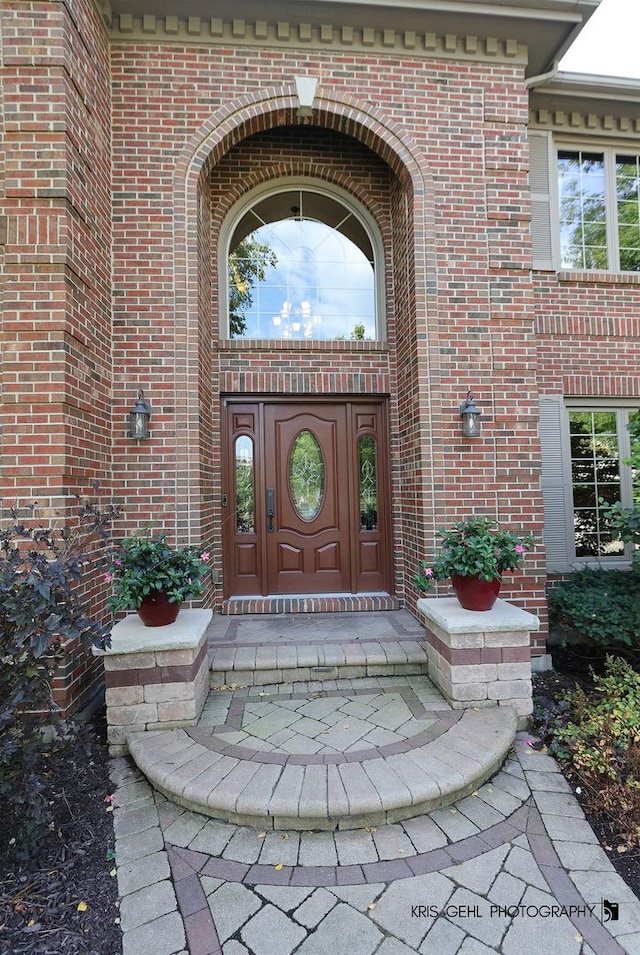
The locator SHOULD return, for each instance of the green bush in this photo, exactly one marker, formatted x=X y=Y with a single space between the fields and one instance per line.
x=603 y=735
x=600 y=605
x=596 y=729
x=40 y=566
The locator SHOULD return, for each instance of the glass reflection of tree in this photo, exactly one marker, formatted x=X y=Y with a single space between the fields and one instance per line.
x=627 y=190
x=368 y=483
x=306 y=475
x=245 y=503
x=583 y=211
x=595 y=471
x=248 y=264
x=633 y=428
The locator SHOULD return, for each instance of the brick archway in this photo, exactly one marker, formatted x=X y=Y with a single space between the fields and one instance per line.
x=261 y=112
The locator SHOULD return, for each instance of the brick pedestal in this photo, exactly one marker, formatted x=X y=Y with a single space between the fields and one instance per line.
x=480 y=658
x=155 y=677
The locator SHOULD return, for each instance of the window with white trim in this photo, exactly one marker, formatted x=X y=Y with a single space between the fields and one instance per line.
x=302 y=265
x=584 y=447
x=599 y=208
x=585 y=204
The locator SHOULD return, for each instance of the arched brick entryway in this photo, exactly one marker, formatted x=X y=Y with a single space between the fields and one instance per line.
x=390 y=369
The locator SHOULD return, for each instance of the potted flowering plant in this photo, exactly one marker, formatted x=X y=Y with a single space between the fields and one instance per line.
x=475 y=553
x=154 y=578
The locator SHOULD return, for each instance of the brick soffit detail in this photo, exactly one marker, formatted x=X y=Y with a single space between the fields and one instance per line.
x=301 y=36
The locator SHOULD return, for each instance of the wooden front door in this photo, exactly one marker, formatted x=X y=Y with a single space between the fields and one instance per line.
x=306 y=498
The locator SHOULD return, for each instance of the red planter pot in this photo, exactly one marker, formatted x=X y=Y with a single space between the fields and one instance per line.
x=156 y=611
x=475 y=594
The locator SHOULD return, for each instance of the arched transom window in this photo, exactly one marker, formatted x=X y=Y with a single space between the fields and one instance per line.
x=302 y=266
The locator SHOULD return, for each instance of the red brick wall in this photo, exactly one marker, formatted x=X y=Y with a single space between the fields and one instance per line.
x=437 y=151
x=55 y=326
x=588 y=336
x=447 y=183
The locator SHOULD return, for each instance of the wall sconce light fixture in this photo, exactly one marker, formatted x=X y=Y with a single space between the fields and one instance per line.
x=139 y=418
x=470 y=417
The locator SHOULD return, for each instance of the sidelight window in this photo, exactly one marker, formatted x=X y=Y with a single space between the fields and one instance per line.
x=245 y=485
x=368 y=483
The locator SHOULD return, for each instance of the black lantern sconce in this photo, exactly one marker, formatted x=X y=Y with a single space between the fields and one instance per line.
x=470 y=417
x=139 y=418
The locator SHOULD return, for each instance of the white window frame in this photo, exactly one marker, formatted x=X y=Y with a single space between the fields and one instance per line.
x=622 y=409
x=608 y=151
x=285 y=184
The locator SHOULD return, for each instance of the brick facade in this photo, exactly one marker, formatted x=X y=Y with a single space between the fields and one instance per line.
x=588 y=335
x=55 y=325
x=127 y=146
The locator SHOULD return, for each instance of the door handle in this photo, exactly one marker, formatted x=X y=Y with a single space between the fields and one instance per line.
x=271 y=508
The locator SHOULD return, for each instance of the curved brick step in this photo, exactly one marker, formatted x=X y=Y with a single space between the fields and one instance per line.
x=262 y=666
x=348 y=791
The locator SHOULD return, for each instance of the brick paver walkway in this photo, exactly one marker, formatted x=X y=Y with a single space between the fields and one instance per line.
x=336 y=754
x=512 y=868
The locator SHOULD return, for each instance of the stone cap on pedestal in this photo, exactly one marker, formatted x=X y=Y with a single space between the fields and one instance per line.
x=503 y=617
x=131 y=636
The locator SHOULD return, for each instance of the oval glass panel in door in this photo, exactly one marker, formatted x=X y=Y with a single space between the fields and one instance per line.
x=245 y=492
x=306 y=475
x=368 y=483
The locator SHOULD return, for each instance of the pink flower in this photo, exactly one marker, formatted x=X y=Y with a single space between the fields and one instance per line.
x=428 y=572
x=205 y=556
x=519 y=549
x=108 y=578
x=118 y=562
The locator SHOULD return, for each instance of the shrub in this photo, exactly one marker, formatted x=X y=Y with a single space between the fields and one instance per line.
x=40 y=566
x=603 y=734
x=550 y=715
x=600 y=605
x=598 y=733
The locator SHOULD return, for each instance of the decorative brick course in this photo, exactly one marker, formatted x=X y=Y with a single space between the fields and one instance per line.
x=145 y=690
x=133 y=669
x=480 y=659
x=309 y=604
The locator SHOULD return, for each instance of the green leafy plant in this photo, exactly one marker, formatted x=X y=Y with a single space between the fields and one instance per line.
x=603 y=735
x=550 y=715
x=595 y=728
x=474 y=547
x=142 y=565
x=602 y=606
x=41 y=565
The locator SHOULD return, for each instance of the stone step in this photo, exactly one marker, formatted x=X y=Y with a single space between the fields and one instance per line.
x=204 y=770
x=274 y=664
